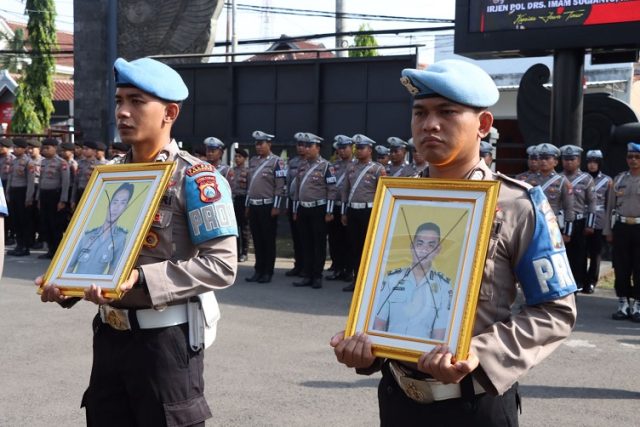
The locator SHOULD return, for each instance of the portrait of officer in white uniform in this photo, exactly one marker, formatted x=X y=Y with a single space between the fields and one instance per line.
x=416 y=300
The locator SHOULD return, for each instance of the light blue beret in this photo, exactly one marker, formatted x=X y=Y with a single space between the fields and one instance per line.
x=258 y=135
x=454 y=79
x=213 y=143
x=299 y=136
x=152 y=77
x=343 y=140
x=486 y=147
x=382 y=150
x=594 y=154
x=546 y=149
x=633 y=147
x=309 y=137
x=361 y=139
x=532 y=151
x=571 y=150
x=395 y=142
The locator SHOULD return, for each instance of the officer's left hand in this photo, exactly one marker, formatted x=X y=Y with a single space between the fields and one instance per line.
x=328 y=217
x=275 y=211
x=437 y=363
x=94 y=293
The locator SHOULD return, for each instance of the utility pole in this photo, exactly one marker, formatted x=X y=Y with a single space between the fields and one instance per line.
x=234 y=34
x=340 y=40
x=228 y=46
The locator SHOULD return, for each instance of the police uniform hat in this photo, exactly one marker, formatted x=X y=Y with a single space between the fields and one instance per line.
x=34 y=143
x=343 y=140
x=6 y=142
x=594 y=154
x=67 y=146
x=50 y=141
x=20 y=143
x=258 y=135
x=633 y=147
x=532 y=151
x=395 y=142
x=546 y=149
x=311 y=138
x=90 y=144
x=100 y=146
x=460 y=81
x=381 y=150
x=299 y=137
x=410 y=144
x=242 y=152
x=120 y=146
x=360 y=139
x=485 y=148
x=152 y=77
x=571 y=151
x=213 y=143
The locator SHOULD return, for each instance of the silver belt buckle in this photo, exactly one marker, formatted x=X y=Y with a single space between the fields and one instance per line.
x=116 y=318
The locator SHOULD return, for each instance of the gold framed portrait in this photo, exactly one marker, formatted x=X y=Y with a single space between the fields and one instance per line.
x=108 y=227
x=422 y=265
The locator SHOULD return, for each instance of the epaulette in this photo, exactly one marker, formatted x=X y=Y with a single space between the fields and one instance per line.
x=188 y=157
x=122 y=229
x=396 y=271
x=516 y=182
x=443 y=277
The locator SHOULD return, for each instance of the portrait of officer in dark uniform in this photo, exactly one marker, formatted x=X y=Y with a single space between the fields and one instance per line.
x=100 y=248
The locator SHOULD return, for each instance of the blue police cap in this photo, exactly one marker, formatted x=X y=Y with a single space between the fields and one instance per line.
x=633 y=147
x=213 y=143
x=454 y=79
x=360 y=139
x=532 y=151
x=152 y=77
x=571 y=150
x=546 y=149
x=309 y=137
x=343 y=140
x=382 y=150
x=258 y=135
x=486 y=148
x=594 y=154
x=395 y=142
x=299 y=137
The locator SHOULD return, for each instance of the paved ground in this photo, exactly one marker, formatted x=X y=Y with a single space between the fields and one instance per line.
x=272 y=365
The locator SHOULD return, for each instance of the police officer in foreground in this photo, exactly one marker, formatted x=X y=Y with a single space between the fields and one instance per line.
x=584 y=210
x=398 y=165
x=215 y=150
x=357 y=198
x=296 y=234
x=266 y=190
x=314 y=195
x=53 y=195
x=450 y=116
x=146 y=371
x=623 y=230
x=339 y=245
x=486 y=152
x=556 y=187
x=239 y=190
x=16 y=193
x=602 y=186
x=532 y=163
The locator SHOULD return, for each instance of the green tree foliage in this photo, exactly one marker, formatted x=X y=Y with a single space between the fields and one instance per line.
x=12 y=61
x=36 y=88
x=362 y=40
x=25 y=119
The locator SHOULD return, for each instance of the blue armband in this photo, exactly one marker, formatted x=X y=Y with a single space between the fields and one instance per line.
x=544 y=272
x=209 y=204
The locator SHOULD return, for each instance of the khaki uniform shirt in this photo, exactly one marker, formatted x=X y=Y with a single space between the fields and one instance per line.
x=559 y=192
x=624 y=199
x=18 y=172
x=5 y=166
x=360 y=182
x=602 y=186
x=584 y=198
x=225 y=171
x=85 y=168
x=267 y=179
x=292 y=173
x=33 y=177
x=174 y=267
x=55 y=175
x=316 y=180
x=340 y=167
x=239 y=181
x=401 y=170
x=525 y=176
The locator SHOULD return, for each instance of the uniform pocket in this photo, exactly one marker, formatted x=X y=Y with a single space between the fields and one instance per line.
x=159 y=241
x=187 y=412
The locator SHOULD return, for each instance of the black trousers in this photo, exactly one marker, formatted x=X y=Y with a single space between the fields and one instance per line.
x=357 y=224
x=296 y=238
x=314 y=245
x=577 y=252
x=22 y=222
x=8 y=220
x=145 y=377
x=595 y=242
x=626 y=259
x=339 y=244
x=52 y=221
x=397 y=409
x=243 y=224
x=263 y=232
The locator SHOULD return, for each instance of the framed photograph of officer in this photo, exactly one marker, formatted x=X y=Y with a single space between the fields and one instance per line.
x=109 y=227
x=422 y=266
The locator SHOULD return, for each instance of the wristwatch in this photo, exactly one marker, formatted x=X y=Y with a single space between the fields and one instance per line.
x=141 y=282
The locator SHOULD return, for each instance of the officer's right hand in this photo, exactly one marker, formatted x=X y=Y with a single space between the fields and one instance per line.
x=50 y=293
x=355 y=351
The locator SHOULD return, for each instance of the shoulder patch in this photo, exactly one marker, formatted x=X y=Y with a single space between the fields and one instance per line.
x=198 y=168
